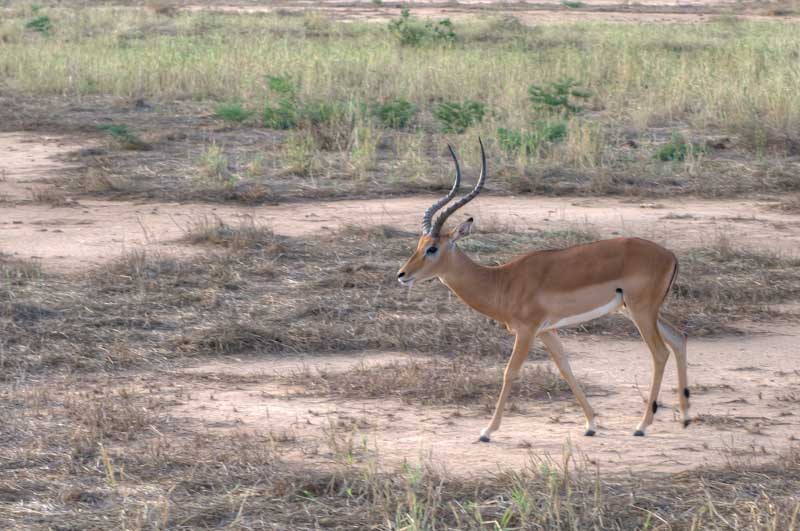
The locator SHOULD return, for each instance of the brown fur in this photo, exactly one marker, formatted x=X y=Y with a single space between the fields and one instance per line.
x=536 y=291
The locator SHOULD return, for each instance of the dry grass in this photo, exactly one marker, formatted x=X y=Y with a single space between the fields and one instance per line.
x=723 y=279
x=790 y=204
x=104 y=459
x=436 y=381
x=51 y=196
x=249 y=235
x=253 y=292
x=16 y=271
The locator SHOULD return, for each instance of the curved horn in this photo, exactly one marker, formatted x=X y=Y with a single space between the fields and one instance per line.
x=464 y=200
x=426 y=218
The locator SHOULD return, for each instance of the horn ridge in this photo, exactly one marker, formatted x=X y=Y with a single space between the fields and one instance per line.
x=428 y=216
x=437 y=226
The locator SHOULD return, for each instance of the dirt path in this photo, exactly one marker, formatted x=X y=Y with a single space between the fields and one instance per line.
x=746 y=392
x=539 y=12
x=91 y=232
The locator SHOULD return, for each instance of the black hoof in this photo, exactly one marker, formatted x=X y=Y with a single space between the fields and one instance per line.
x=686 y=423
x=638 y=433
x=483 y=438
x=589 y=433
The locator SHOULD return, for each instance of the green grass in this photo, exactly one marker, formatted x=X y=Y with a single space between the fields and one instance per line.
x=726 y=74
x=457 y=117
x=41 y=24
x=344 y=88
x=396 y=113
x=676 y=149
x=232 y=112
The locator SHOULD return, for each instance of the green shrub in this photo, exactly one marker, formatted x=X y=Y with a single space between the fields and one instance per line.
x=458 y=117
x=283 y=114
x=528 y=142
x=677 y=149
x=232 y=112
x=319 y=112
x=571 y=4
x=330 y=124
x=557 y=97
x=443 y=31
x=410 y=31
x=525 y=142
x=395 y=113
x=42 y=24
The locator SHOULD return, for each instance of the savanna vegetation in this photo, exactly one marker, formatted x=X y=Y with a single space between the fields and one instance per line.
x=331 y=108
x=263 y=107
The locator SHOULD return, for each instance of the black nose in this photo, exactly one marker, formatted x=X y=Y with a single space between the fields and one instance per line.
x=401 y=274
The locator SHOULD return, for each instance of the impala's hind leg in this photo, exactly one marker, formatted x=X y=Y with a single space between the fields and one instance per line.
x=556 y=350
x=677 y=343
x=646 y=323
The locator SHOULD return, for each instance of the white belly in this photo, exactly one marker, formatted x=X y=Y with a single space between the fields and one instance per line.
x=614 y=305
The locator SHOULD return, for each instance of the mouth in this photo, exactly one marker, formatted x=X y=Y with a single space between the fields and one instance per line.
x=408 y=282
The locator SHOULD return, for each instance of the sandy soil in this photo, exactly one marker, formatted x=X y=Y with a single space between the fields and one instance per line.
x=746 y=388
x=92 y=232
x=746 y=392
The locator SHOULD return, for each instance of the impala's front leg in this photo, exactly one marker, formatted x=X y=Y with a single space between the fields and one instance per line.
x=522 y=345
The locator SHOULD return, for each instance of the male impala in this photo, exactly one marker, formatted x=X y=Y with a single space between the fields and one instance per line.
x=542 y=291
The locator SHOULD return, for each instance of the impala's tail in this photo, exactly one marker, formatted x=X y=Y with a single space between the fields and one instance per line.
x=671 y=280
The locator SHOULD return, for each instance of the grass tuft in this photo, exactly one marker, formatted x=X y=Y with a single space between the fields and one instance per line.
x=248 y=235
x=41 y=24
x=125 y=138
x=457 y=117
x=459 y=380
x=232 y=112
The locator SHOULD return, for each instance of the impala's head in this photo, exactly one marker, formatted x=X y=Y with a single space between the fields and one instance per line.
x=435 y=247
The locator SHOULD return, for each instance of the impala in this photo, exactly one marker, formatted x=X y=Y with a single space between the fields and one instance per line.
x=540 y=292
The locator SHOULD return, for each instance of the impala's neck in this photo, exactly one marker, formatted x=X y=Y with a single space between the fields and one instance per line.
x=476 y=285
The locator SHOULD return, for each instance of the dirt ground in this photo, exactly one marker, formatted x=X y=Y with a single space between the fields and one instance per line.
x=539 y=12
x=89 y=232
x=745 y=388
x=743 y=410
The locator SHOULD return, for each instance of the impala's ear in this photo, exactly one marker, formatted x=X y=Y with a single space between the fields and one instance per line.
x=462 y=230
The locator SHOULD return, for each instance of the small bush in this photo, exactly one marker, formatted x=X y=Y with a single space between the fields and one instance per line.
x=319 y=112
x=42 y=24
x=677 y=149
x=458 y=117
x=395 y=114
x=125 y=138
x=528 y=142
x=557 y=97
x=283 y=114
x=300 y=154
x=412 y=32
x=572 y=5
x=232 y=112
x=214 y=168
x=330 y=124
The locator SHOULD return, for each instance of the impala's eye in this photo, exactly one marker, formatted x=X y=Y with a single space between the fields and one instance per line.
x=432 y=250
